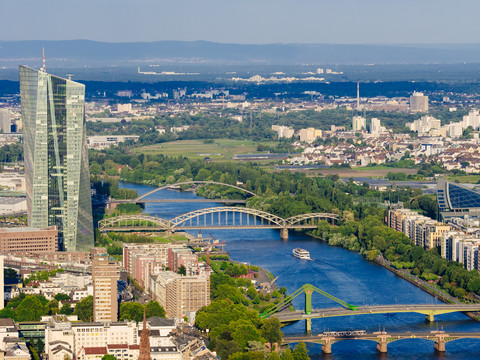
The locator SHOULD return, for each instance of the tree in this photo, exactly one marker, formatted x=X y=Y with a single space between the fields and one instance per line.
x=300 y=352
x=182 y=270
x=244 y=332
x=226 y=348
x=84 y=309
x=153 y=308
x=30 y=309
x=287 y=355
x=108 y=357
x=132 y=311
x=66 y=309
x=61 y=297
x=271 y=330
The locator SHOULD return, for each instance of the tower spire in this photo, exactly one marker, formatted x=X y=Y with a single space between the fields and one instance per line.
x=44 y=68
x=144 y=351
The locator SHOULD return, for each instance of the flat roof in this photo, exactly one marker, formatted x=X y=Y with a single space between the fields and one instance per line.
x=11 y=200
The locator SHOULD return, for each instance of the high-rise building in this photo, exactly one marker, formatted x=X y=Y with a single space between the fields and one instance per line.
x=418 y=102
x=359 y=123
x=105 y=274
x=2 y=283
x=56 y=160
x=5 y=123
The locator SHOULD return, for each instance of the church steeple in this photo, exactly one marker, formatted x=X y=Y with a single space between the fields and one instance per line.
x=144 y=351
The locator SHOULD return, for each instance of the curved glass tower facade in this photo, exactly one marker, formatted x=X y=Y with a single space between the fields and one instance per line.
x=457 y=200
x=56 y=159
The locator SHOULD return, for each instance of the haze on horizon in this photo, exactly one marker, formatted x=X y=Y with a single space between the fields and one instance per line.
x=245 y=21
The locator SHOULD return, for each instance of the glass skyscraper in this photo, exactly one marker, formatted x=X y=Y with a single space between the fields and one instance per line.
x=56 y=159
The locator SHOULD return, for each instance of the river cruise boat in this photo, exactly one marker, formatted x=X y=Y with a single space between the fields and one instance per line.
x=302 y=254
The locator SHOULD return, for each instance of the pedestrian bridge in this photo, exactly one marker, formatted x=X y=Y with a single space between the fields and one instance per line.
x=281 y=311
x=223 y=217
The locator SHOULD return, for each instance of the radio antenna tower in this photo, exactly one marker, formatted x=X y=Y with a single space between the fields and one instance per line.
x=358 y=95
x=44 y=68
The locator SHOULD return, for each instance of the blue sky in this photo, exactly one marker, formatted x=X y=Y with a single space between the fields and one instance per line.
x=243 y=21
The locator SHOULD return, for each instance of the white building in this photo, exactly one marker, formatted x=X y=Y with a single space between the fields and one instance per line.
x=418 y=102
x=5 y=122
x=359 y=123
x=283 y=131
x=103 y=142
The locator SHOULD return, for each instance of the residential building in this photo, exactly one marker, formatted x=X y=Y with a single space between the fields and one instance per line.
x=359 y=123
x=309 y=134
x=28 y=240
x=179 y=294
x=2 y=282
x=63 y=331
x=56 y=160
x=5 y=122
x=141 y=260
x=418 y=102
x=105 y=274
x=283 y=131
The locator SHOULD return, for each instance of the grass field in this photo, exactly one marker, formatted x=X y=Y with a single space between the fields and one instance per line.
x=466 y=179
x=219 y=149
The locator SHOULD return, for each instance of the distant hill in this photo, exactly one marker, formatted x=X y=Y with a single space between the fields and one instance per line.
x=85 y=52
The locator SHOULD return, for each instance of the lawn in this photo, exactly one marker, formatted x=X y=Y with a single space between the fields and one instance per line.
x=219 y=149
x=470 y=179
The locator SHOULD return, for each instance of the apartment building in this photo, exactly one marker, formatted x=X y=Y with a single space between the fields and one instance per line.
x=105 y=274
x=179 y=294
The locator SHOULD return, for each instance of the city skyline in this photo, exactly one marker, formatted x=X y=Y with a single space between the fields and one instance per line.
x=247 y=22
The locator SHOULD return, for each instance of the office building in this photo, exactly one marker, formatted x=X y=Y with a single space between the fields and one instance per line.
x=28 y=240
x=179 y=294
x=56 y=160
x=456 y=200
x=5 y=123
x=359 y=123
x=418 y=102
x=105 y=274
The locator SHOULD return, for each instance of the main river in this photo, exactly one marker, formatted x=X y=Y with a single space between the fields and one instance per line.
x=342 y=273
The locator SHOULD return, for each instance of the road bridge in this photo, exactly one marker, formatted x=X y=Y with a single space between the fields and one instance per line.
x=215 y=218
x=382 y=338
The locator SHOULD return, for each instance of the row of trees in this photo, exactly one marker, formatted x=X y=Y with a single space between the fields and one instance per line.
x=234 y=327
x=371 y=237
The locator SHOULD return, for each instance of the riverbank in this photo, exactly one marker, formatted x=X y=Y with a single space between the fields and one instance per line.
x=414 y=280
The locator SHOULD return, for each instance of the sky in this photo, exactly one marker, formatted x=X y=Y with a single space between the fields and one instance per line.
x=243 y=21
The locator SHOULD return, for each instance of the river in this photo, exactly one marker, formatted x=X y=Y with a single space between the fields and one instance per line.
x=342 y=273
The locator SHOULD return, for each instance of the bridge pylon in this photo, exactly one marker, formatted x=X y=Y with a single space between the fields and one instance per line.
x=284 y=234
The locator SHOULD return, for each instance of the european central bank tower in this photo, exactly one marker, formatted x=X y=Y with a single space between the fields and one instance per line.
x=56 y=159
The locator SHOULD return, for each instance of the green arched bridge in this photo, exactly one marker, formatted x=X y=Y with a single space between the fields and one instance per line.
x=346 y=309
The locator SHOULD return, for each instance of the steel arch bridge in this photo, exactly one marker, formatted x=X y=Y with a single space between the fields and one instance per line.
x=221 y=217
x=139 y=222
x=140 y=198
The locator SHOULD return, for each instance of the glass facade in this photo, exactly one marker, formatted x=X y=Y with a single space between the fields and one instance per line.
x=56 y=159
x=461 y=198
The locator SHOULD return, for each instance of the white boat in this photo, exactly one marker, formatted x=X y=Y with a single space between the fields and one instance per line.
x=302 y=254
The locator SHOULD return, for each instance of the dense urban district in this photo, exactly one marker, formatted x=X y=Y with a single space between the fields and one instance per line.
x=390 y=177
